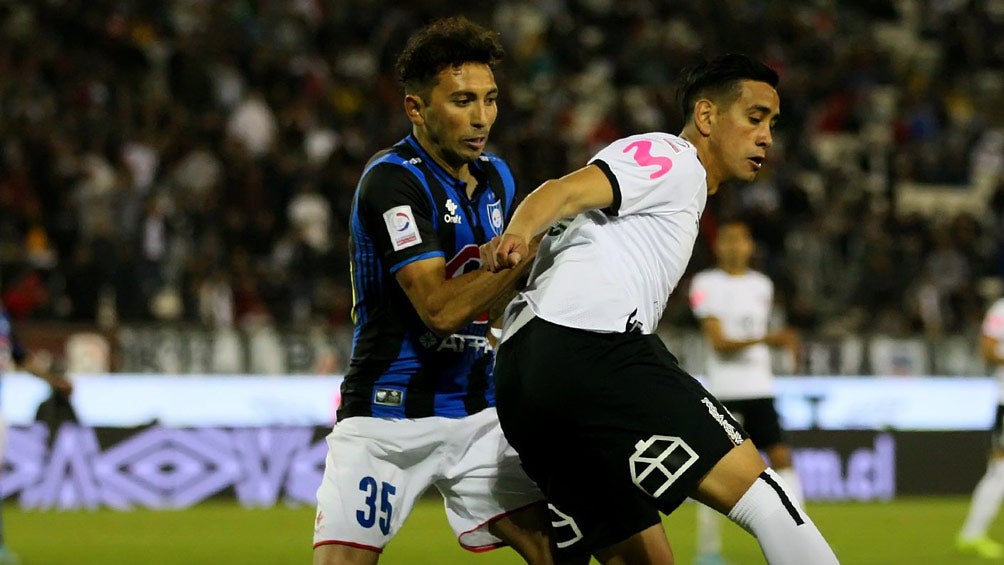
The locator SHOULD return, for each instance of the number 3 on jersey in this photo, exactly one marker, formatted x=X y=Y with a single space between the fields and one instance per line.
x=367 y=517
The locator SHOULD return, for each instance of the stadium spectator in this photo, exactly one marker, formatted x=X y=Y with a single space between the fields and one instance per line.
x=225 y=111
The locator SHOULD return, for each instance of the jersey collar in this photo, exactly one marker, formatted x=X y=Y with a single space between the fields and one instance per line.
x=443 y=176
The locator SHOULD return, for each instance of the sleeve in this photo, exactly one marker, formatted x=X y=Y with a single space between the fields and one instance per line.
x=649 y=173
x=701 y=302
x=993 y=322
x=397 y=213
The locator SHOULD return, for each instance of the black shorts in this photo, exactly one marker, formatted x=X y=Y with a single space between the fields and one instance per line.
x=609 y=426
x=759 y=418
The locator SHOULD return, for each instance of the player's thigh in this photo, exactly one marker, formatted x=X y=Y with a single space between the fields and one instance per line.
x=374 y=471
x=485 y=483
x=730 y=478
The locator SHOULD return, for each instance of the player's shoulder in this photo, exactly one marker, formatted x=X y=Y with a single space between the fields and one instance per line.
x=760 y=278
x=708 y=276
x=392 y=167
x=493 y=159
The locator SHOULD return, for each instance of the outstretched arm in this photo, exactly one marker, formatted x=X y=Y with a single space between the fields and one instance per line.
x=585 y=189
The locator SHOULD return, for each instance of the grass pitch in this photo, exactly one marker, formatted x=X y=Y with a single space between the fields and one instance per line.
x=906 y=531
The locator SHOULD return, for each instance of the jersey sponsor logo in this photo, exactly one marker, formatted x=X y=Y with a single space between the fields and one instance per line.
x=388 y=397
x=658 y=462
x=495 y=215
x=460 y=342
x=566 y=531
x=643 y=156
x=451 y=216
x=730 y=430
x=401 y=227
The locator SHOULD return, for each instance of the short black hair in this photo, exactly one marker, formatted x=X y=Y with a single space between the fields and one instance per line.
x=445 y=43
x=719 y=79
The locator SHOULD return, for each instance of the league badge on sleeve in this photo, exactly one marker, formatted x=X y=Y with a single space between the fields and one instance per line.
x=495 y=215
x=402 y=227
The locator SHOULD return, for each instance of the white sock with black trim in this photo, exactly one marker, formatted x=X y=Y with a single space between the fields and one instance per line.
x=786 y=534
x=790 y=478
x=986 y=501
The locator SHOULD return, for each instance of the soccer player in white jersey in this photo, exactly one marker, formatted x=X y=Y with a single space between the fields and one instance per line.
x=989 y=493
x=734 y=304
x=602 y=416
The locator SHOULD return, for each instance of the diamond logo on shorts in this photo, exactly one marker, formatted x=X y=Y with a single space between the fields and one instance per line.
x=658 y=461
x=566 y=531
x=388 y=397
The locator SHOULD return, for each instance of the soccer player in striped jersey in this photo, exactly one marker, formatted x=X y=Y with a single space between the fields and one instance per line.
x=989 y=492
x=734 y=304
x=418 y=399
x=604 y=419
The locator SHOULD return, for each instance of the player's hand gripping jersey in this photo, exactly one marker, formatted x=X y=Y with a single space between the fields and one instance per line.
x=643 y=242
x=407 y=208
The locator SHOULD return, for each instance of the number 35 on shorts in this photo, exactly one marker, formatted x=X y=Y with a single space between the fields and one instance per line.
x=371 y=514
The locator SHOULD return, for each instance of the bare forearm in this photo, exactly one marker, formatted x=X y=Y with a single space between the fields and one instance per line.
x=461 y=299
x=541 y=208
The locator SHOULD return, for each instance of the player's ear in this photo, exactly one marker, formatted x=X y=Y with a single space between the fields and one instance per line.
x=704 y=116
x=413 y=108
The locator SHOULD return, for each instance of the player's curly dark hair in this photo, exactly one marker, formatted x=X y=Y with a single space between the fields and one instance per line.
x=719 y=78
x=445 y=43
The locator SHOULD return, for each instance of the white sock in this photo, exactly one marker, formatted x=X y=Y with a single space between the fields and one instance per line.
x=790 y=478
x=986 y=501
x=709 y=537
x=786 y=534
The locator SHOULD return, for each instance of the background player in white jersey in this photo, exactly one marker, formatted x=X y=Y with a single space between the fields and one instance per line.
x=604 y=419
x=989 y=492
x=734 y=303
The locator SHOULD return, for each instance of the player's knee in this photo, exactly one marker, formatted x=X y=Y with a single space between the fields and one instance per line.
x=338 y=554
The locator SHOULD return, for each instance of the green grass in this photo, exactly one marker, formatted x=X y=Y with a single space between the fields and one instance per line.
x=907 y=531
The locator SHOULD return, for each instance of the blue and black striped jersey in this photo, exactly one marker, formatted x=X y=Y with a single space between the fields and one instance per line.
x=408 y=208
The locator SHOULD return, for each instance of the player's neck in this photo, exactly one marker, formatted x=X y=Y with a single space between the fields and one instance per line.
x=734 y=270
x=700 y=143
x=459 y=171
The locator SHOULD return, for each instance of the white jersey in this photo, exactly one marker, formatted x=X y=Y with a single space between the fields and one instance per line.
x=742 y=304
x=613 y=270
x=993 y=327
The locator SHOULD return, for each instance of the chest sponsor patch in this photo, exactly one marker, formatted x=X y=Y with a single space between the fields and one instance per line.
x=402 y=227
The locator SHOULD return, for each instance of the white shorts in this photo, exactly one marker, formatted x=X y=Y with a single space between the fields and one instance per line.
x=377 y=468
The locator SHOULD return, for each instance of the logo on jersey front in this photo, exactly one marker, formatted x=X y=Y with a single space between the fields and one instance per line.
x=495 y=215
x=401 y=227
x=451 y=216
x=658 y=462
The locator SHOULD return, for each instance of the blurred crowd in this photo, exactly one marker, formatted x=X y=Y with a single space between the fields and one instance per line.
x=195 y=160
